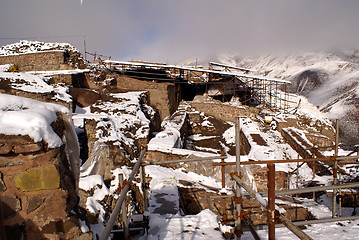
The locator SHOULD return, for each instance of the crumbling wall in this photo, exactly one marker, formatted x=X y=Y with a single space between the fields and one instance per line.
x=161 y=95
x=221 y=111
x=38 y=192
x=77 y=80
x=39 y=61
x=43 y=97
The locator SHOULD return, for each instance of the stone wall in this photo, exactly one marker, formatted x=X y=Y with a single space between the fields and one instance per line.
x=220 y=111
x=40 y=61
x=38 y=194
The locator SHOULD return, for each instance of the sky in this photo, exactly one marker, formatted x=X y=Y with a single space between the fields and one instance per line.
x=173 y=31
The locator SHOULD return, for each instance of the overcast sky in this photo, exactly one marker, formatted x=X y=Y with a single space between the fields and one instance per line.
x=177 y=30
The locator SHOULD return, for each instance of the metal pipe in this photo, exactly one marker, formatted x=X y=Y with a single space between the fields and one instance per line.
x=124 y=210
x=238 y=163
x=144 y=188
x=251 y=229
x=121 y=198
x=271 y=200
x=309 y=222
x=298 y=232
x=335 y=167
x=315 y=189
x=327 y=159
x=184 y=160
x=300 y=190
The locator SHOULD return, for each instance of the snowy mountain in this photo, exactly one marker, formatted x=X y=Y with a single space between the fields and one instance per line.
x=329 y=80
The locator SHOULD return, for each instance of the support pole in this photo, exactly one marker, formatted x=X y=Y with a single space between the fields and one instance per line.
x=335 y=167
x=271 y=200
x=238 y=189
x=124 y=211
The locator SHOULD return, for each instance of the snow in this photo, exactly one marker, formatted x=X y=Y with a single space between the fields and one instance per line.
x=164 y=196
x=23 y=116
x=124 y=114
x=201 y=226
x=28 y=82
x=25 y=46
x=347 y=230
x=58 y=72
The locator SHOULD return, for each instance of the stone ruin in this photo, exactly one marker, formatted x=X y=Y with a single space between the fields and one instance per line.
x=38 y=188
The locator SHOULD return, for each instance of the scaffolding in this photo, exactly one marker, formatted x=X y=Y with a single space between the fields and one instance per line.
x=252 y=89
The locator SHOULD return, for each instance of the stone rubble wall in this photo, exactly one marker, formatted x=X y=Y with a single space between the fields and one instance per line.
x=37 y=190
x=193 y=200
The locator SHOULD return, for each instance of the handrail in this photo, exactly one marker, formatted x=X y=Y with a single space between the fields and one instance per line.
x=122 y=197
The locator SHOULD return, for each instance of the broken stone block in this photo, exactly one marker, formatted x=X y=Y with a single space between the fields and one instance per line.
x=53 y=208
x=5 y=148
x=28 y=148
x=10 y=161
x=39 y=178
x=10 y=206
x=34 y=203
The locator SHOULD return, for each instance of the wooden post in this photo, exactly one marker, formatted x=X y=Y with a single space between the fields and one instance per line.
x=271 y=200
x=238 y=189
x=124 y=210
x=335 y=167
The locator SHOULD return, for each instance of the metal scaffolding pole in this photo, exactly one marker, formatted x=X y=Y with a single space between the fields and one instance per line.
x=238 y=189
x=335 y=168
x=271 y=200
x=124 y=210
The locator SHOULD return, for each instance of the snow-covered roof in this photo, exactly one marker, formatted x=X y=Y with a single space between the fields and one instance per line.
x=24 y=116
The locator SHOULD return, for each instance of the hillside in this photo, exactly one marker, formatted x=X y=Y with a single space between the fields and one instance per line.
x=329 y=80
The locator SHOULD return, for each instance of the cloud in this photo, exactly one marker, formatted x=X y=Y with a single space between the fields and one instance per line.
x=169 y=30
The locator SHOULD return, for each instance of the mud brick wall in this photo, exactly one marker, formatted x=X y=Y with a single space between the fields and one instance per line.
x=162 y=96
x=37 y=191
x=223 y=112
x=41 y=61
